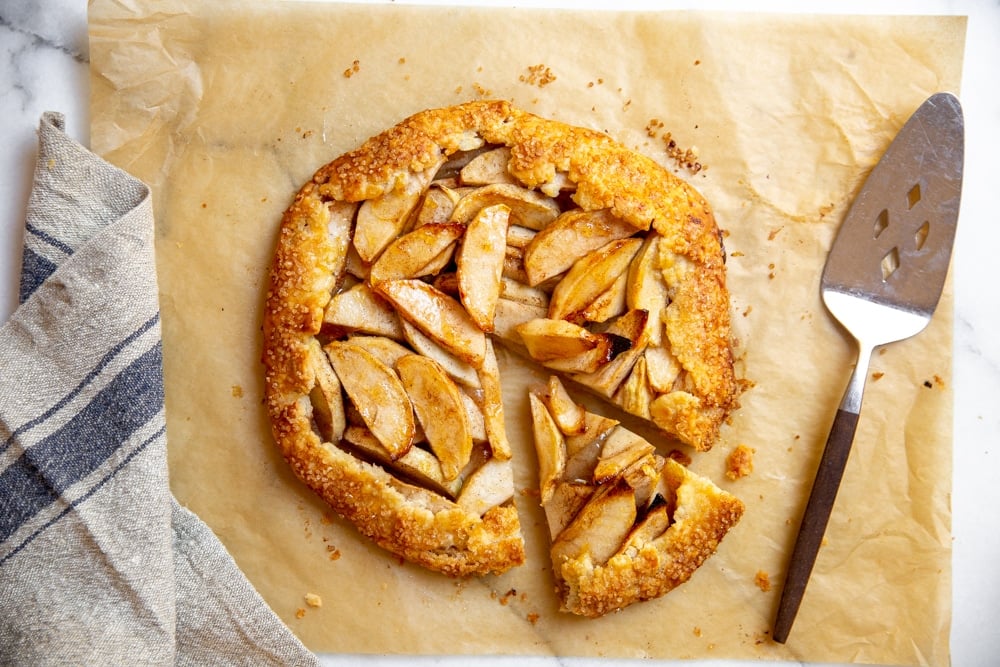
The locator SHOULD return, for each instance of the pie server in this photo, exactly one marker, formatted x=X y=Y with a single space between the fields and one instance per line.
x=882 y=281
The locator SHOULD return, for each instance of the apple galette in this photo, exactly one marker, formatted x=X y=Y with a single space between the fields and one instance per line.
x=626 y=523
x=400 y=263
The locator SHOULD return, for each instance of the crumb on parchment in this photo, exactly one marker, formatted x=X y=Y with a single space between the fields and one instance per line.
x=313 y=600
x=763 y=580
x=739 y=463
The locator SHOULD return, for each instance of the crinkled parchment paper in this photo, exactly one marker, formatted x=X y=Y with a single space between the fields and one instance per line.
x=225 y=108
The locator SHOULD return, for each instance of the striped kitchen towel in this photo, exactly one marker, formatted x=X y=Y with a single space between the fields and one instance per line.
x=99 y=565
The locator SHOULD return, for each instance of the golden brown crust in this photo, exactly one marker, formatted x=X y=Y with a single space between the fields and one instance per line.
x=704 y=515
x=309 y=268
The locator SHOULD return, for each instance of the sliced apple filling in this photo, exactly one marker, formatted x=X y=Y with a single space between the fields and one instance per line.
x=397 y=266
x=626 y=524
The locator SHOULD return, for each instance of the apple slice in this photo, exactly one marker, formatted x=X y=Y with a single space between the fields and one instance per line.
x=532 y=296
x=439 y=316
x=492 y=404
x=565 y=503
x=646 y=289
x=326 y=396
x=571 y=236
x=384 y=349
x=380 y=220
x=609 y=377
x=550 y=446
x=662 y=369
x=519 y=237
x=359 y=309
x=510 y=314
x=569 y=415
x=621 y=449
x=480 y=263
x=377 y=394
x=599 y=528
x=417 y=464
x=547 y=339
x=590 y=276
x=487 y=168
x=490 y=486
x=567 y=347
x=609 y=304
x=634 y=395
x=440 y=410
x=438 y=203
x=459 y=371
x=424 y=251
x=527 y=208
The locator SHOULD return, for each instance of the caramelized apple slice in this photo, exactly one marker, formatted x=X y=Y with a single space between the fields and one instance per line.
x=621 y=449
x=489 y=486
x=646 y=289
x=600 y=527
x=419 y=253
x=590 y=276
x=439 y=407
x=380 y=220
x=634 y=395
x=566 y=501
x=609 y=304
x=384 y=349
x=662 y=369
x=569 y=415
x=439 y=316
x=531 y=296
x=509 y=315
x=417 y=464
x=492 y=404
x=527 y=208
x=480 y=263
x=326 y=396
x=609 y=377
x=487 y=168
x=359 y=309
x=549 y=445
x=438 y=203
x=377 y=394
x=571 y=236
x=459 y=371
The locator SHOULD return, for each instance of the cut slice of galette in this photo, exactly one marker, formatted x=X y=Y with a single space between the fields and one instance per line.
x=626 y=523
x=400 y=263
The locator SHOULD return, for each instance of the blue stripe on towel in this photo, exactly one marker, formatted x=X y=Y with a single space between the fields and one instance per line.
x=34 y=270
x=48 y=238
x=94 y=372
x=86 y=441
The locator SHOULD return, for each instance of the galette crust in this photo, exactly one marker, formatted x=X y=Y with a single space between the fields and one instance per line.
x=311 y=265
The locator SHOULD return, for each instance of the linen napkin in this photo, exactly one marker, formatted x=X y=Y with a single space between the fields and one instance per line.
x=98 y=563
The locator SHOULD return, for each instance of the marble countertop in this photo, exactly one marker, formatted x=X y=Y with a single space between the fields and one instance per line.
x=44 y=66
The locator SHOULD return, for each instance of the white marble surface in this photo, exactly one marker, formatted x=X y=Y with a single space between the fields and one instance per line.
x=44 y=63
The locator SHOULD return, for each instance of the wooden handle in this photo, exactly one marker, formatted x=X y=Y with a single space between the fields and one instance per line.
x=814 y=520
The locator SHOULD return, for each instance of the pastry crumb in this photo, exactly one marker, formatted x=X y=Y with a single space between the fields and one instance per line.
x=313 y=600
x=237 y=391
x=878 y=375
x=353 y=69
x=533 y=618
x=763 y=580
x=300 y=612
x=538 y=75
x=739 y=463
x=697 y=631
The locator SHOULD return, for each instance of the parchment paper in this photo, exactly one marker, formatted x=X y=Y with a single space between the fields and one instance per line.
x=225 y=108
